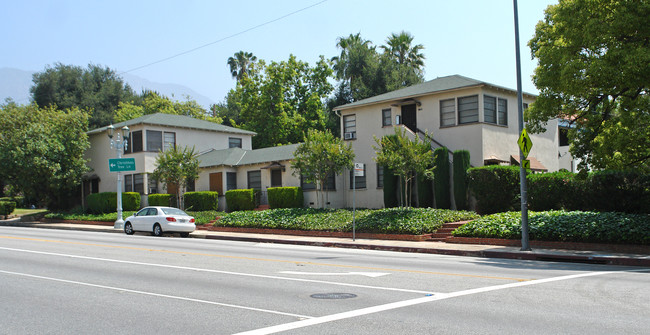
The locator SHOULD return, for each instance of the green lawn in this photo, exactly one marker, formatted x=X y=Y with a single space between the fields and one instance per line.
x=26 y=211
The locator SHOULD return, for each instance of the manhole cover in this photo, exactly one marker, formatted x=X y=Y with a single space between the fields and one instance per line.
x=333 y=296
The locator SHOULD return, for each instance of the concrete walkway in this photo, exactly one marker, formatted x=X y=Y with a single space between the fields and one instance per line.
x=474 y=250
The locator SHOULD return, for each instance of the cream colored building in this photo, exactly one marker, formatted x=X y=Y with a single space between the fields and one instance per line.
x=459 y=113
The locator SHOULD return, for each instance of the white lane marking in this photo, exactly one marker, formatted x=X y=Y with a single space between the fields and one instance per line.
x=155 y=294
x=366 y=274
x=406 y=303
x=220 y=272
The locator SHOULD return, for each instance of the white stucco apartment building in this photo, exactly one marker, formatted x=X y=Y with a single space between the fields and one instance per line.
x=457 y=112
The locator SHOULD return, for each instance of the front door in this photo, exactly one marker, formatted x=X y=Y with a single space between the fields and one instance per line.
x=276 y=178
x=409 y=117
x=216 y=182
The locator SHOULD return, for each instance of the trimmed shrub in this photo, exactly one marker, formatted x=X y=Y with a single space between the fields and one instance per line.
x=106 y=202
x=160 y=199
x=285 y=197
x=441 y=178
x=7 y=207
x=619 y=191
x=425 y=192
x=496 y=188
x=461 y=165
x=201 y=201
x=19 y=200
x=130 y=201
x=391 y=184
x=548 y=191
x=240 y=200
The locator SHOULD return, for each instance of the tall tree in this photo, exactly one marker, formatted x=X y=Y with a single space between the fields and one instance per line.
x=406 y=158
x=177 y=166
x=320 y=157
x=241 y=64
x=594 y=71
x=152 y=102
x=399 y=48
x=97 y=89
x=280 y=101
x=41 y=152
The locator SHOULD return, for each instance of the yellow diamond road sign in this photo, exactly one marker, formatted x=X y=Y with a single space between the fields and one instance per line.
x=525 y=144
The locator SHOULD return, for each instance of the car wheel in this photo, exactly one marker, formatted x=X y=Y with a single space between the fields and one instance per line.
x=128 y=229
x=185 y=234
x=157 y=230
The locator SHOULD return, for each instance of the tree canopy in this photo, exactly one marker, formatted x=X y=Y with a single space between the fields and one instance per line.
x=281 y=100
x=96 y=89
x=594 y=71
x=152 y=102
x=177 y=166
x=41 y=152
x=241 y=63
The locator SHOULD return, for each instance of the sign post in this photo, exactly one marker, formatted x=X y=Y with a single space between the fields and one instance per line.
x=358 y=171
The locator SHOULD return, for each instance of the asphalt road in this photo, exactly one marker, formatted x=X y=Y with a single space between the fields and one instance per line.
x=65 y=282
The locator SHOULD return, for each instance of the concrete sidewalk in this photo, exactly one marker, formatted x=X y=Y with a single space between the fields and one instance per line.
x=474 y=250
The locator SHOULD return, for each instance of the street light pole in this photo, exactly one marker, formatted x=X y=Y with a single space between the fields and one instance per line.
x=119 y=144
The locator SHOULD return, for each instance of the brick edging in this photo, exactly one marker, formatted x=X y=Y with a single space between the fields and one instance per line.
x=400 y=237
x=623 y=248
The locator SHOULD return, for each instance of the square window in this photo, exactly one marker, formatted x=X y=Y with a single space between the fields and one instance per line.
x=154 y=140
x=234 y=142
x=468 y=109
x=380 y=176
x=138 y=183
x=349 y=127
x=128 y=183
x=503 y=112
x=255 y=179
x=231 y=180
x=170 y=140
x=358 y=182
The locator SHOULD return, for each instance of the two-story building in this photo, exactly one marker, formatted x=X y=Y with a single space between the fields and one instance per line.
x=457 y=112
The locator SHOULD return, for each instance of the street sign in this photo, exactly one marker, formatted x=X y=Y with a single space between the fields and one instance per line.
x=524 y=142
x=121 y=164
x=525 y=164
x=358 y=170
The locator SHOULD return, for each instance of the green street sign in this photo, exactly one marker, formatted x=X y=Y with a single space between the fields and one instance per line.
x=524 y=142
x=525 y=164
x=121 y=164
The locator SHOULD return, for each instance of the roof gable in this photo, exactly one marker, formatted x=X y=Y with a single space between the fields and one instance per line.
x=177 y=121
x=239 y=157
x=440 y=84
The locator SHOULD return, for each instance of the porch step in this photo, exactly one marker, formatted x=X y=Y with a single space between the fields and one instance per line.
x=445 y=231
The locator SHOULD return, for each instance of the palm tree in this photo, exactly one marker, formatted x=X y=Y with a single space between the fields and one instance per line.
x=240 y=64
x=343 y=64
x=398 y=47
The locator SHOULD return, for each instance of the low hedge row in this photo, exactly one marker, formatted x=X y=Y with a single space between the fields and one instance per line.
x=575 y=226
x=7 y=207
x=106 y=202
x=496 y=189
x=201 y=201
x=240 y=200
x=19 y=200
x=160 y=199
x=399 y=220
x=285 y=197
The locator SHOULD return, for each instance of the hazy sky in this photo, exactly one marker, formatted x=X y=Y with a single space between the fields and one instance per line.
x=474 y=38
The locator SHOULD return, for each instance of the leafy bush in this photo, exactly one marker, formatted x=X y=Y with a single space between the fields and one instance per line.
x=425 y=192
x=19 y=200
x=106 y=217
x=548 y=191
x=441 y=178
x=496 y=188
x=240 y=200
x=160 y=199
x=461 y=165
x=7 y=207
x=285 y=197
x=576 y=226
x=106 y=202
x=204 y=217
x=389 y=220
x=202 y=201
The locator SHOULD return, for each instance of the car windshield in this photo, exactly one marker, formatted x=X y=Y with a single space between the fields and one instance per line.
x=173 y=211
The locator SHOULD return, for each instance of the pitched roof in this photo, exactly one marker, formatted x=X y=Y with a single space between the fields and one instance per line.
x=437 y=85
x=179 y=121
x=239 y=157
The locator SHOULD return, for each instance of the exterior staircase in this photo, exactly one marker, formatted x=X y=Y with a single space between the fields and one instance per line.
x=441 y=234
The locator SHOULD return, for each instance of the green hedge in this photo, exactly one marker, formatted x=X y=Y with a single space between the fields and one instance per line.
x=160 y=199
x=7 y=207
x=19 y=200
x=240 y=200
x=391 y=184
x=425 y=192
x=106 y=202
x=285 y=197
x=496 y=188
x=576 y=226
x=201 y=201
x=441 y=178
x=461 y=165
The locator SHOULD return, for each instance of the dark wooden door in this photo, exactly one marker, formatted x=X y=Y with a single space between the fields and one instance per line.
x=409 y=117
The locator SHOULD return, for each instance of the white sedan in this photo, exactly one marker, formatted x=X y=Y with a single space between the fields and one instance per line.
x=158 y=220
